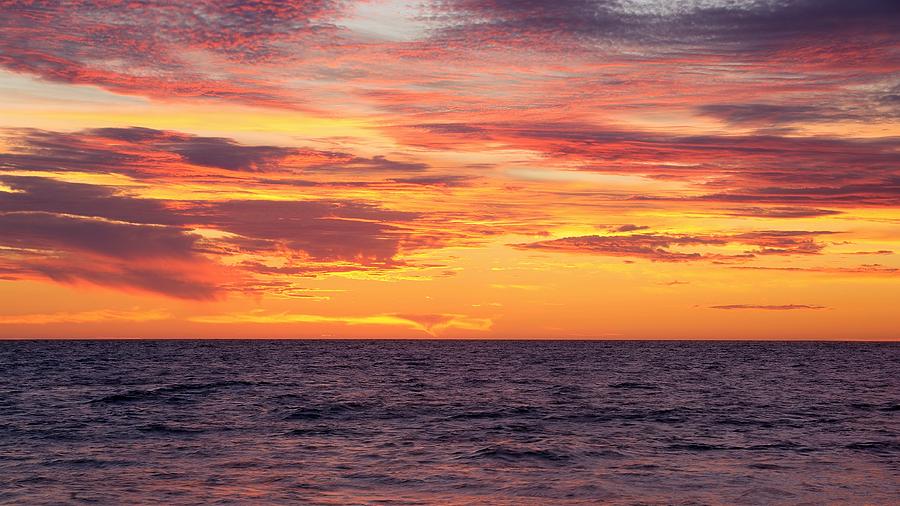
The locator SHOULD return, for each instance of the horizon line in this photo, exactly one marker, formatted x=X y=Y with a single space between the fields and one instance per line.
x=539 y=339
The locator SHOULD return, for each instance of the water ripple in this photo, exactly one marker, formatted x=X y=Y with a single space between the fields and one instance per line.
x=372 y=422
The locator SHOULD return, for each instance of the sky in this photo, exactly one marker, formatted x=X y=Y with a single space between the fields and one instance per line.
x=575 y=169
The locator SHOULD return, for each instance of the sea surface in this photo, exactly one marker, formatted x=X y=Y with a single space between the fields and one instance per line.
x=452 y=422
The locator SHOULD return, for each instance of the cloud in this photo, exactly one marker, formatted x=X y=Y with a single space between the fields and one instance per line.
x=163 y=49
x=41 y=194
x=431 y=324
x=876 y=252
x=740 y=29
x=190 y=281
x=135 y=151
x=777 y=242
x=445 y=180
x=74 y=233
x=279 y=54
x=780 y=212
x=659 y=247
x=764 y=170
x=96 y=316
x=777 y=26
x=650 y=246
x=126 y=241
x=473 y=23
x=203 y=151
x=629 y=228
x=325 y=230
x=317 y=237
x=376 y=163
x=145 y=153
x=763 y=115
x=108 y=221
x=434 y=324
x=104 y=235
x=859 y=270
x=782 y=307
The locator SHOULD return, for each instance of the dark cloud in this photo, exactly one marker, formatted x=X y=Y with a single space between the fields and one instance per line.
x=736 y=28
x=771 y=26
x=145 y=152
x=480 y=23
x=629 y=228
x=54 y=232
x=138 y=152
x=167 y=280
x=70 y=249
x=41 y=150
x=892 y=97
x=325 y=230
x=771 y=114
x=206 y=151
x=54 y=196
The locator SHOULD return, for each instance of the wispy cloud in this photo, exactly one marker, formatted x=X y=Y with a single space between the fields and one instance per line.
x=94 y=316
x=660 y=247
x=431 y=324
x=765 y=307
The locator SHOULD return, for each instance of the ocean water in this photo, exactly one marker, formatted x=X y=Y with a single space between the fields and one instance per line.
x=456 y=422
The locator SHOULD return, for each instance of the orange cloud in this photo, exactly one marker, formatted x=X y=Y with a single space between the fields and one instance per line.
x=431 y=324
x=96 y=316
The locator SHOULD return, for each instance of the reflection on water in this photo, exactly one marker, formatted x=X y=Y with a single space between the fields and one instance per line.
x=399 y=422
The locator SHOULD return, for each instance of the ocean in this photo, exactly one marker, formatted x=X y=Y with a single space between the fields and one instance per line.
x=449 y=422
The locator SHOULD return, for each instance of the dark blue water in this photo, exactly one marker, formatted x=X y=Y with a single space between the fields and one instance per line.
x=400 y=422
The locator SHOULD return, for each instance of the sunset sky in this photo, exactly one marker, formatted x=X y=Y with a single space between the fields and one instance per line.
x=711 y=169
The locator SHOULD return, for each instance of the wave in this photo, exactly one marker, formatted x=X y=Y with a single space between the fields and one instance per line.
x=508 y=454
x=497 y=413
x=140 y=395
x=888 y=407
x=697 y=447
x=765 y=466
x=876 y=446
x=91 y=463
x=331 y=410
x=630 y=385
x=162 y=428
x=703 y=447
x=316 y=431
